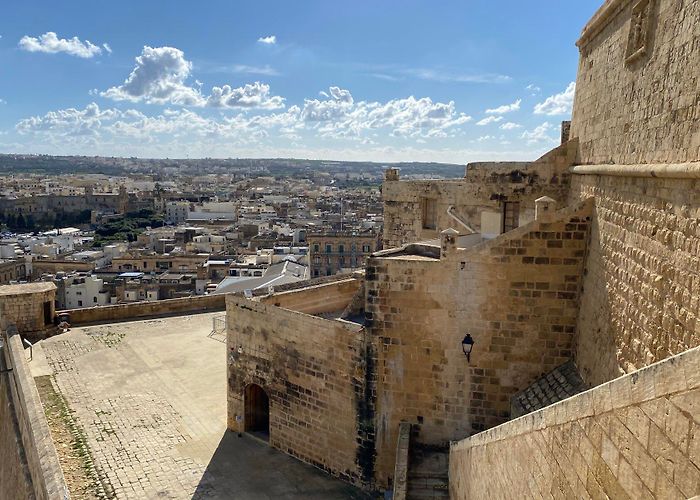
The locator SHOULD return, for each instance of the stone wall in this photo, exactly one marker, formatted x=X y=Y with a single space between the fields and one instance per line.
x=517 y=295
x=484 y=187
x=24 y=307
x=14 y=471
x=640 y=300
x=136 y=310
x=641 y=108
x=50 y=266
x=312 y=370
x=318 y=299
x=40 y=472
x=635 y=437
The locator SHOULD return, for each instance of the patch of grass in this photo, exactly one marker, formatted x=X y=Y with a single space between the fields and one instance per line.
x=83 y=478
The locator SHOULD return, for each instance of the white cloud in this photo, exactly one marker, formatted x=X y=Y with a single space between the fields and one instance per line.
x=558 y=104
x=337 y=117
x=255 y=70
x=107 y=48
x=252 y=95
x=506 y=108
x=439 y=75
x=539 y=134
x=340 y=116
x=3 y=101
x=534 y=89
x=489 y=119
x=160 y=76
x=484 y=138
x=50 y=43
x=268 y=40
x=510 y=126
x=69 y=121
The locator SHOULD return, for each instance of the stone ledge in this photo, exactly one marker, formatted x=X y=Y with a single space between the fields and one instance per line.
x=690 y=170
x=600 y=19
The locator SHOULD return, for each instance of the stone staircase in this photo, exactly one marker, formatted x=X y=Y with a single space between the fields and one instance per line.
x=427 y=472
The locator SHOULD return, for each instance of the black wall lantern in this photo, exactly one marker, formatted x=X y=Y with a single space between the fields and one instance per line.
x=467 y=346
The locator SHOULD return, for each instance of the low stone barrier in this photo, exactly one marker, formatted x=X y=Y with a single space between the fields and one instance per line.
x=39 y=455
x=637 y=436
x=139 y=310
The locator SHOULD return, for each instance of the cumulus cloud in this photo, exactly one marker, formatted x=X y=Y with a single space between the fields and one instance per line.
x=338 y=116
x=488 y=120
x=49 y=43
x=558 y=104
x=268 y=40
x=506 y=108
x=160 y=77
x=510 y=126
x=539 y=134
x=534 y=89
x=252 y=95
x=71 y=121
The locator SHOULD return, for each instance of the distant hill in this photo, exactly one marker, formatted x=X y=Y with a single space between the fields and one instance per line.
x=58 y=165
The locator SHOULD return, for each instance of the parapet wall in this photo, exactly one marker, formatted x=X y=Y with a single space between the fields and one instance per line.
x=637 y=436
x=637 y=98
x=29 y=467
x=312 y=370
x=324 y=298
x=136 y=310
x=639 y=303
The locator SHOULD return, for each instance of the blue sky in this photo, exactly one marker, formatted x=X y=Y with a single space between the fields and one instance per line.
x=387 y=80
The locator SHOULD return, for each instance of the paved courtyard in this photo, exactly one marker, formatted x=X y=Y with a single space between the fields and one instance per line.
x=150 y=397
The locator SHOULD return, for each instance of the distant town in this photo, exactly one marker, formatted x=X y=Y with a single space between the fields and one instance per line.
x=113 y=230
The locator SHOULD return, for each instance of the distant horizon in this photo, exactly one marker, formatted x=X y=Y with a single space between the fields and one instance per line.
x=454 y=84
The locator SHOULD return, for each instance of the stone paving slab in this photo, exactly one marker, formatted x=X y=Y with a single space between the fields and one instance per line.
x=151 y=398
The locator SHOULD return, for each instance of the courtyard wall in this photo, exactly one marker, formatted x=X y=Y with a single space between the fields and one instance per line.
x=313 y=371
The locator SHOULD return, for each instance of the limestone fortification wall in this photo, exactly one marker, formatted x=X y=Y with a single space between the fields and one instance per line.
x=640 y=300
x=643 y=109
x=635 y=437
x=14 y=471
x=29 y=466
x=517 y=295
x=313 y=372
x=324 y=298
x=484 y=187
x=23 y=306
x=136 y=310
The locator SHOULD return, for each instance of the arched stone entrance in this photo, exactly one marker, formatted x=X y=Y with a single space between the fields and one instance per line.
x=257 y=411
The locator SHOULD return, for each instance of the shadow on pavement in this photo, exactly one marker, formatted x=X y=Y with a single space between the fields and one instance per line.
x=247 y=468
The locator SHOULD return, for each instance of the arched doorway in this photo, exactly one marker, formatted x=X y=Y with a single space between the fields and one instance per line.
x=257 y=411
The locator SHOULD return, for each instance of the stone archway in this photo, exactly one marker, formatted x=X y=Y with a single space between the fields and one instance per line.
x=257 y=411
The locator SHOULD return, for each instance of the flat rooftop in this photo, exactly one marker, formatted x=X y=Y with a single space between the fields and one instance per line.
x=149 y=400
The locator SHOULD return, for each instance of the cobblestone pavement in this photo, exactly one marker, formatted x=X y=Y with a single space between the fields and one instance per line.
x=151 y=398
